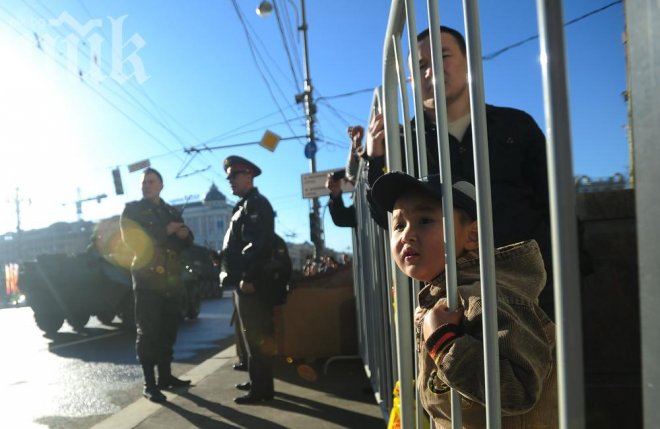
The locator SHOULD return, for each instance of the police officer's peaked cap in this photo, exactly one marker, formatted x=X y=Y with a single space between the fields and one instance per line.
x=238 y=162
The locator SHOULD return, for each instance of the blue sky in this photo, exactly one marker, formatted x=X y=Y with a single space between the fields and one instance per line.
x=193 y=80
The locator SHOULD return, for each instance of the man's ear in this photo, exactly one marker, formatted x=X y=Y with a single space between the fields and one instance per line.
x=472 y=242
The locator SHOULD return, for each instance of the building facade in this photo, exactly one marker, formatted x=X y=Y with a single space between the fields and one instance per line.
x=208 y=219
x=60 y=237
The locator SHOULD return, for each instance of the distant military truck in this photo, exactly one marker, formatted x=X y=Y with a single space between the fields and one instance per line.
x=201 y=262
x=62 y=287
x=98 y=282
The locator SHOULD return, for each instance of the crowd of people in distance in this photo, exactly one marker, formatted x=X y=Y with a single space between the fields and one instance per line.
x=323 y=265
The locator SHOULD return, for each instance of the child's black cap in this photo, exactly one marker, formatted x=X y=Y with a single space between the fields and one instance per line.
x=389 y=187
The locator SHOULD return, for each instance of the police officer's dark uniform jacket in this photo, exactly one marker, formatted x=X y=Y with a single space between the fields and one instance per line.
x=157 y=282
x=249 y=240
x=247 y=247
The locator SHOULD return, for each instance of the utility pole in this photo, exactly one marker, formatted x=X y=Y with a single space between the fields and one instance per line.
x=79 y=202
x=315 y=225
x=19 y=232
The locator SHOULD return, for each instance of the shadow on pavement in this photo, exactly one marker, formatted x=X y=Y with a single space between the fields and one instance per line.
x=226 y=413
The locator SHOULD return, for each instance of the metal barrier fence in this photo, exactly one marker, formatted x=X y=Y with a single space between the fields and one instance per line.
x=643 y=39
x=385 y=296
x=385 y=319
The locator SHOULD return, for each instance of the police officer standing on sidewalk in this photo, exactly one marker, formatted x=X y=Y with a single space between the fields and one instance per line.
x=156 y=234
x=247 y=247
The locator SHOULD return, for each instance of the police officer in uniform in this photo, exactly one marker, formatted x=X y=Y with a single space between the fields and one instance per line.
x=156 y=234
x=247 y=246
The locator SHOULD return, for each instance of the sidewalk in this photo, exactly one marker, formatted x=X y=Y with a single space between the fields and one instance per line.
x=342 y=398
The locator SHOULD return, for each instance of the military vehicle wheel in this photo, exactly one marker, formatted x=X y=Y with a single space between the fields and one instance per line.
x=106 y=317
x=194 y=303
x=49 y=323
x=78 y=320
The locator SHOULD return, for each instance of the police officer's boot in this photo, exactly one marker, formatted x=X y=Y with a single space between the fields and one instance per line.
x=166 y=380
x=151 y=391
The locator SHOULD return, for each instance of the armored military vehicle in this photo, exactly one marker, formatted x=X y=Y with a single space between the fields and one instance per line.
x=97 y=282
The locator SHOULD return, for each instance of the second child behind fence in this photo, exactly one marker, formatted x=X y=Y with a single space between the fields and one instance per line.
x=450 y=343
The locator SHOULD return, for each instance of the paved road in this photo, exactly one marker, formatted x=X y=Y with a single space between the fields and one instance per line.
x=73 y=380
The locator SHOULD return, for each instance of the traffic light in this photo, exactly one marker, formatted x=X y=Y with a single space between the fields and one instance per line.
x=116 y=177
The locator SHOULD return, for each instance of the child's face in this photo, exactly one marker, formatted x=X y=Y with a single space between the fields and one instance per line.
x=417 y=239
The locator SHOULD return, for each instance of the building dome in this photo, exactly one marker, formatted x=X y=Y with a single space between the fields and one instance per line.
x=214 y=195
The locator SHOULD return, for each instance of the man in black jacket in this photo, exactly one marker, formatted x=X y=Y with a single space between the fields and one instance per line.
x=156 y=234
x=247 y=247
x=516 y=147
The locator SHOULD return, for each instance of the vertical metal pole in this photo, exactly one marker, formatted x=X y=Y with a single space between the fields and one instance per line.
x=485 y=210
x=643 y=45
x=562 y=215
x=403 y=93
x=416 y=91
x=445 y=173
x=19 y=232
x=316 y=228
x=403 y=317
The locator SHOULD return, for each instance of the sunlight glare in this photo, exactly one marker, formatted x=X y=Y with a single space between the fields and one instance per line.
x=40 y=133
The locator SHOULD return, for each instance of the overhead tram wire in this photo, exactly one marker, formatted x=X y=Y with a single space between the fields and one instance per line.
x=254 y=57
x=296 y=78
x=251 y=122
x=110 y=103
x=499 y=52
x=295 y=42
x=18 y=32
x=141 y=106
x=340 y=113
x=150 y=114
x=253 y=35
x=135 y=100
x=158 y=108
x=67 y=69
x=226 y=136
x=144 y=109
x=267 y=52
x=346 y=94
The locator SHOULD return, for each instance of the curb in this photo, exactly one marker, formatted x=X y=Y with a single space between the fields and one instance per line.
x=142 y=409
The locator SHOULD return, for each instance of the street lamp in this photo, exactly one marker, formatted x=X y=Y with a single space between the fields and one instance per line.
x=315 y=225
x=264 y=9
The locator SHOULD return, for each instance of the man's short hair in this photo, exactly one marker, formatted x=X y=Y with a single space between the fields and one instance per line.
x=150 y=170
x=443 y=29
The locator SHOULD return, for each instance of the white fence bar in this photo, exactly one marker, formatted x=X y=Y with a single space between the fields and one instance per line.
x=403 y=94
x=485 y=209
x=403 y=314
x=445 y=174
x=644 y=68
x=422 y=163
x=570 y=375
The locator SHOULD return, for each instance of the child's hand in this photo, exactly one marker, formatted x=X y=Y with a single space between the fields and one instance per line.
x=440 y=315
